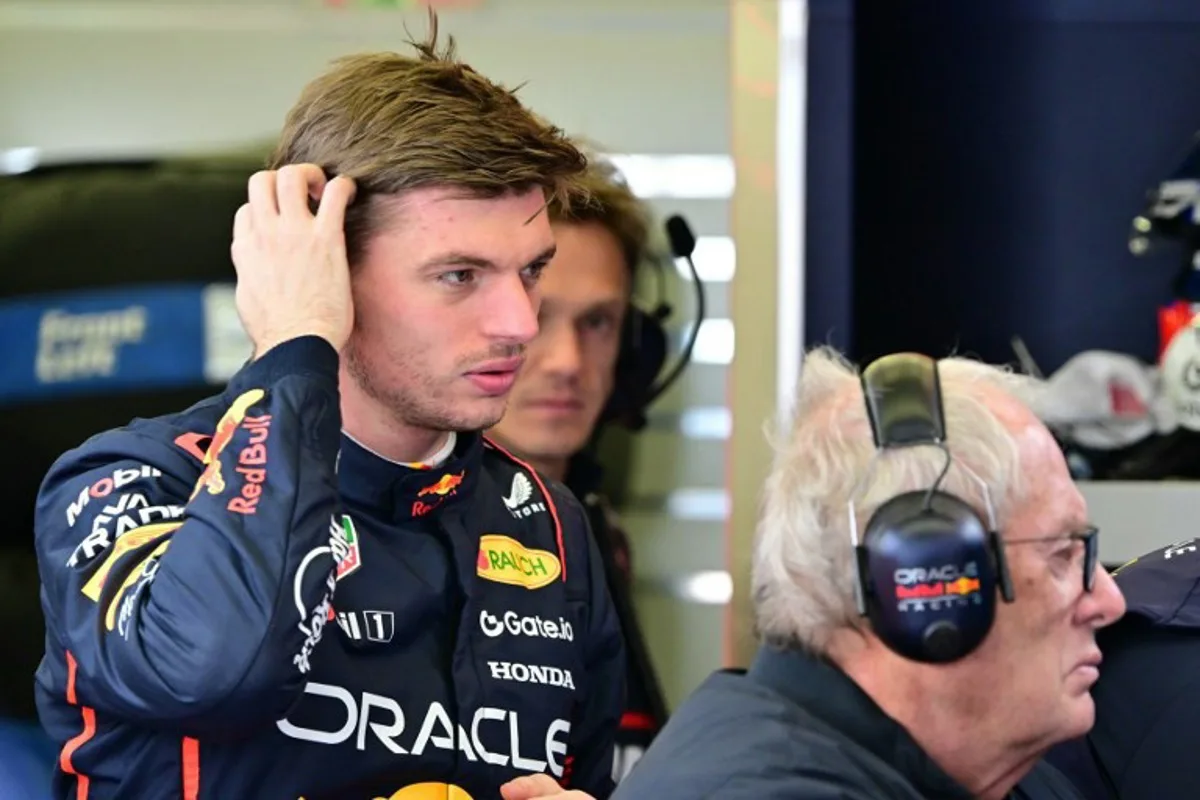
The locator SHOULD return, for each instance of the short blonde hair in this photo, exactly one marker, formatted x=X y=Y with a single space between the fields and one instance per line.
x=604 y=197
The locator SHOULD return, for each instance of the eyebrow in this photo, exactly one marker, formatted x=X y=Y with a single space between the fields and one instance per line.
x=457 y=258
x=613 y=303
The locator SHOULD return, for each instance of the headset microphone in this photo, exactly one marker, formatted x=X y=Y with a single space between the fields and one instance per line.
x=683 y=244
x=644 y=340
x=679 y=233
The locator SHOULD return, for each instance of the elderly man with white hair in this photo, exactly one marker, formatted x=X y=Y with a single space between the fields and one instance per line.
x=927 y=594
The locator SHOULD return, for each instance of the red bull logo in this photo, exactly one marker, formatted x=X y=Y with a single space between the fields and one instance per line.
x=211 y=478
x=446 y=486
x=962 y=586
x=923 y=591
x=252 y=465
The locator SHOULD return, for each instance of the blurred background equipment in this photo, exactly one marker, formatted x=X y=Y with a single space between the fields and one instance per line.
x=1175 y=454
x=1171 y=221
x=115 y=302
x=1170 y=225
x=1102 y=406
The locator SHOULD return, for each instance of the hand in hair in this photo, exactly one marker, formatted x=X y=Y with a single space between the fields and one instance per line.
x=293 y=277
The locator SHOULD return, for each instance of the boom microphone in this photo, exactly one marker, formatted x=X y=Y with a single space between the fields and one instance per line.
x=683 y=241
x=683 y=244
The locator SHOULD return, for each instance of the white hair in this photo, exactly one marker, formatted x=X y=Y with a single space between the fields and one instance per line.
x=803 y=562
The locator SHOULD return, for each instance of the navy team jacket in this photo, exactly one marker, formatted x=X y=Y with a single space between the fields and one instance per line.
x=241 y=602
x=1148 y=696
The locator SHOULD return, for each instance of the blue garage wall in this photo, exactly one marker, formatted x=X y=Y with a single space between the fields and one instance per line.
x=998 y=152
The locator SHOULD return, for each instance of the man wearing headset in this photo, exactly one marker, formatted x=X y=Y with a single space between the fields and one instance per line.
x=1147 y=703
x=977 y=651
x=571 y=383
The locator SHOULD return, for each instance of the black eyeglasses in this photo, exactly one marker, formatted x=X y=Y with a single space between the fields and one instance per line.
x=1090 y=537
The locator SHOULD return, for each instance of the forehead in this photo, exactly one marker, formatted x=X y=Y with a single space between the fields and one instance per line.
x=430 y=221
x=588 y=266
x=1052 y=504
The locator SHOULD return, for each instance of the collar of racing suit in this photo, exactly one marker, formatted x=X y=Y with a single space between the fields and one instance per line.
x=828 y=694
x=401 y=492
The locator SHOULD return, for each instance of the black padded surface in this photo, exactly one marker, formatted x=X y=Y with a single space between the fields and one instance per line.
x=92 y=226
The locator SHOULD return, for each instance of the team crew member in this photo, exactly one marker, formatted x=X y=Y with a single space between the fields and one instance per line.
x=311 y=585
x=1146 y=698
x=569 y=382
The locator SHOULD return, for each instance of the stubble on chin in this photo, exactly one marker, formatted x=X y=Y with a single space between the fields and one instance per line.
x=421 y=406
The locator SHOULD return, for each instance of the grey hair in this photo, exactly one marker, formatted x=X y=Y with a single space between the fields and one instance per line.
x=802 y=566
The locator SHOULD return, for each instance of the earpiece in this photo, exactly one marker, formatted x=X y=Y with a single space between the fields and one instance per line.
x=643 y=355
x=928 y=566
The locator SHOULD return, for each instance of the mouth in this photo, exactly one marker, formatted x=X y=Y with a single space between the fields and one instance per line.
x=1089 y=665
x=556 y=405
x=495 y=378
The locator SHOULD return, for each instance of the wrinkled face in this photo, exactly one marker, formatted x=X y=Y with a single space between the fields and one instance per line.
x=1030 y=679
x=571 y=365
x=445 y=302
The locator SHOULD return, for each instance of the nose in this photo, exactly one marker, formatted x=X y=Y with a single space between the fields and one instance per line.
x=1105 y=604
x=510 y=315
x=558 y=349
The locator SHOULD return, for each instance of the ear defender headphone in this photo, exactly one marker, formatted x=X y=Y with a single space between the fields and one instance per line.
x=643 y=352
x=928 y=567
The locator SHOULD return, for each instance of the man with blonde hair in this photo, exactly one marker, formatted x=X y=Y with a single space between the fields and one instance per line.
x=310 y=585
x=884 y=671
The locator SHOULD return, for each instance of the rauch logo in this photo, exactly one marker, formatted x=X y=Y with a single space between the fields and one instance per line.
x=505 y=560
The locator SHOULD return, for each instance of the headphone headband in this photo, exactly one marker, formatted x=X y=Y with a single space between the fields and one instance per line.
x=904 y=401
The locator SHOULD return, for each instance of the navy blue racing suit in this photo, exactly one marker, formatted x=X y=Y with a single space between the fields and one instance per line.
x=243 y=602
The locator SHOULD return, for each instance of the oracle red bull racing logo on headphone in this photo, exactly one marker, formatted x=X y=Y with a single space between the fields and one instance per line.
x=935 y=588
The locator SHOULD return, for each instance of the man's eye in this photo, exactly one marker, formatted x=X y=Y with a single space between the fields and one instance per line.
x=533 y=272
x=459 y=277
x=599 y=322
